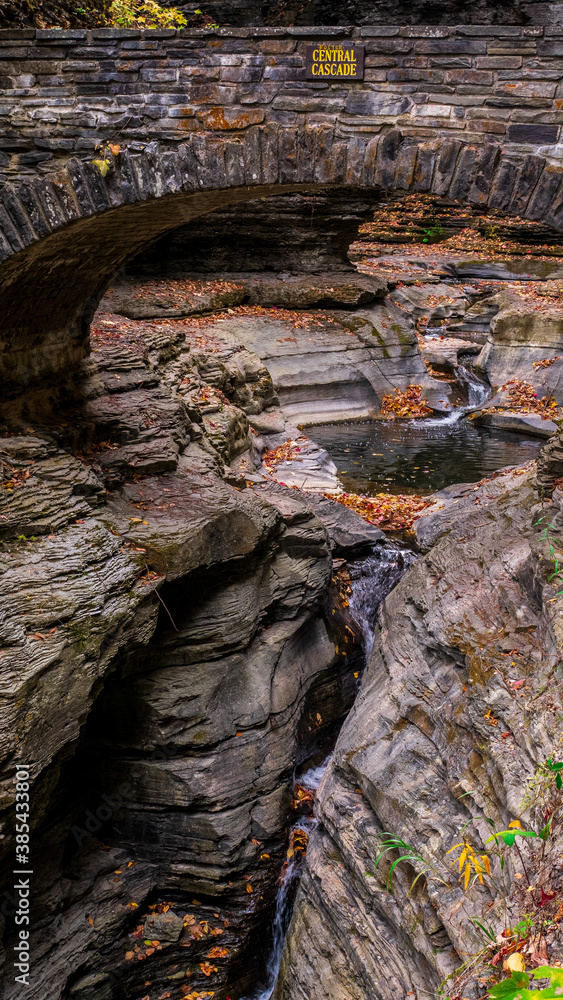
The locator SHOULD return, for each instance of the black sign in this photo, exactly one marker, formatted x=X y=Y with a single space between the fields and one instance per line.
x=337 y=60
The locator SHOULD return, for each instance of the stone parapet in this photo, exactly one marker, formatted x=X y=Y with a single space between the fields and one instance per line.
x=66 y=91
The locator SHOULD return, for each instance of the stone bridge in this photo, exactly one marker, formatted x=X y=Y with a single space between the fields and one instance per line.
x=210 y=119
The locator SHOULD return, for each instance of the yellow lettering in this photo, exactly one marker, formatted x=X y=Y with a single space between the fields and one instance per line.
x=333 y=61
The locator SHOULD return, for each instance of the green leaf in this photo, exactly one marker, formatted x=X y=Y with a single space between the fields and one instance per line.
x=102 y=165
x=544 y=834
x=549 y=972
x=485 y=930
x=511 y=988
x=509 y=836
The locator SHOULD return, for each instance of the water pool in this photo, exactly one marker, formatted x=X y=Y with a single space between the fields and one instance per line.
x=418 y=456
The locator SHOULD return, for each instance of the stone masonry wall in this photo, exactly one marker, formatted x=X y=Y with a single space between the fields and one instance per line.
x=65 y=91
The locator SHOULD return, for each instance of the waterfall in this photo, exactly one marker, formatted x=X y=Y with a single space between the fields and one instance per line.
x=372 y=578
x=477 y=390
x=477 y=394
x=289 y=880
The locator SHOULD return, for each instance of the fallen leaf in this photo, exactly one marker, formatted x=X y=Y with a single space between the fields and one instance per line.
x=207 y=968
x=514 y=963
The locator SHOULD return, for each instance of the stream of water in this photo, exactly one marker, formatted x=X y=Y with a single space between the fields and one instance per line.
x=289 y=882
x=372 y=579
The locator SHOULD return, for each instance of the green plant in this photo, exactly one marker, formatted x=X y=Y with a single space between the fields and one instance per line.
x=557 y=767
x=491 y=232
x=144 y=14
x=434 y=233
x=408 y=854
x=516 y=987
x=552 y=541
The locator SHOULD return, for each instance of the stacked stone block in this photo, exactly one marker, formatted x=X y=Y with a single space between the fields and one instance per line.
x=65 y=92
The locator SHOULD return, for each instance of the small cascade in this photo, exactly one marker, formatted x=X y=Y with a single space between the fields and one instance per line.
x=470 y=387
x=284 y=906
x=304 y=795
x=477 y=391
x=372 y=578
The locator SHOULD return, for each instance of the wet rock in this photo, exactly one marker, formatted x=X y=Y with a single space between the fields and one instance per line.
x=550 y=465
x=446 y=353
x=476 y=322
x=337 y=366
x=267 y=422
x=163 y=927
x=522 y=333
x=350 y=536
x=42 y=489
x=434 y=302
x=167 y=722
x=526 y=269
x=518 y=423
x=417 y=739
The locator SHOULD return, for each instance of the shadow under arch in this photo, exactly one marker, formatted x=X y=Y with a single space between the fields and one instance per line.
x=64 y=236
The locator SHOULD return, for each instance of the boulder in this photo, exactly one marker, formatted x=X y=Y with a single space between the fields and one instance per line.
x=524 y=424
x=524 y=332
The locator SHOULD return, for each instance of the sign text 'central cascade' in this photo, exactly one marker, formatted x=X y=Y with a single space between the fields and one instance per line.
x=345 y=62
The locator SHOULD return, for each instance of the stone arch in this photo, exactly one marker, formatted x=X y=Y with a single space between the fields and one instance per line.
x=63 y=236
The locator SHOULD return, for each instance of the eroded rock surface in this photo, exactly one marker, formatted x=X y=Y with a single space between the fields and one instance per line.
x=167 y=655
x=419 y=756
x=333 y=364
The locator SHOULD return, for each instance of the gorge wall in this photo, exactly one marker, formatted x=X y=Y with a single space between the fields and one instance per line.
x=174 y=638
x=164 y=730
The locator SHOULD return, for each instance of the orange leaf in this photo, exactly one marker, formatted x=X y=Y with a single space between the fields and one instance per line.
x=207 y=968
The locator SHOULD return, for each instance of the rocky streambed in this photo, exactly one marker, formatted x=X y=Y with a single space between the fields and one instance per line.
x=185 y=625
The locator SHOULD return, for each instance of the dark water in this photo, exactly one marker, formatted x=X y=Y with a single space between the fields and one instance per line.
x=418 y=456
